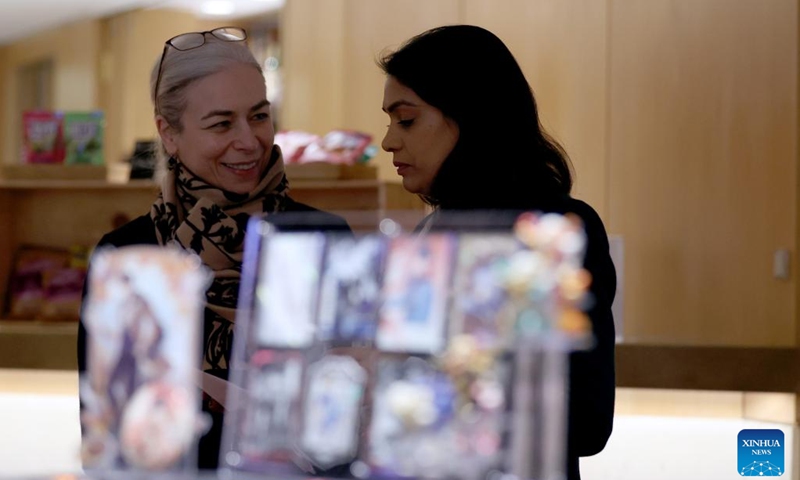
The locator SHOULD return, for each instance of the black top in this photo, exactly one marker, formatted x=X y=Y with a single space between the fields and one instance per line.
x=592 y=373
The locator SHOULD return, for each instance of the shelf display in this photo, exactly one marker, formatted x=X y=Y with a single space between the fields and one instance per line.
x=46 y=283
x=63 y=137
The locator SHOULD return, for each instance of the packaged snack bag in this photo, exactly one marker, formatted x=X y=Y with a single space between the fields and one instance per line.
x=293 y=143
x=42 y=137
x=338 y=146
x=83 y=138
x=64 y=287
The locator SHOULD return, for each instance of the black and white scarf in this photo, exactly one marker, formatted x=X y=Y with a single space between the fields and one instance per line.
x=211 y=222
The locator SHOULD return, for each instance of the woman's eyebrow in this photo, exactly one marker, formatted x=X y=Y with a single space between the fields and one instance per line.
x=398 y=103
x=260 y=105
x=217 y=113
x=229 y=113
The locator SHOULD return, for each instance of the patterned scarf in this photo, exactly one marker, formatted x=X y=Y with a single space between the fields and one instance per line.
x=211 y=222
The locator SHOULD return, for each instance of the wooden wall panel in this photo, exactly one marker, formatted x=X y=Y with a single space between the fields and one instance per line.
x=703 y=153
x=372 y=28
x=62 y=218
x=561 y=47
x=331 y=79
x=4 y=99
x=314 y=72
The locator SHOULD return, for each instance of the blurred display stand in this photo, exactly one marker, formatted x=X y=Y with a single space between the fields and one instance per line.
x=434 y=352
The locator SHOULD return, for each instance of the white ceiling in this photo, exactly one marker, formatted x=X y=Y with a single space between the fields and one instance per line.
x=22 y=18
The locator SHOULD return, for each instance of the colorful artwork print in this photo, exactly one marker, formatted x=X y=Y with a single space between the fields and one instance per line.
x=415 y=291
x=142 y=316
x=350 y=290
x=332 y=417
x=433 y=423
x=287 y=293
x=481 y=305
x=272 y=419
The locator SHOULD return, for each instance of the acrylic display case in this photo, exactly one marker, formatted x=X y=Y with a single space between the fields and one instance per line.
x=429 y=354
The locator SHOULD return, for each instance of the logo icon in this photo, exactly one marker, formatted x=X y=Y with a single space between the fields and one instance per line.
x=761 y=453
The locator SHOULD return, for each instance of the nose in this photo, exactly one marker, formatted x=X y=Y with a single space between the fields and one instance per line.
x=246 y=138
x=390 y=141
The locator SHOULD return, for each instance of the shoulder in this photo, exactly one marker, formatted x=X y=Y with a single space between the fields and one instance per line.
x=297 y=216
x=140 y=231
x=598 y=258
x=591 y=220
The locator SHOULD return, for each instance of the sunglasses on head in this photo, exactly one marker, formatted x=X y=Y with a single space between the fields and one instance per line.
x=192 y=40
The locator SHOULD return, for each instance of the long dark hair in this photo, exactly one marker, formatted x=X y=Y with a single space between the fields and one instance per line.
x=503 y=157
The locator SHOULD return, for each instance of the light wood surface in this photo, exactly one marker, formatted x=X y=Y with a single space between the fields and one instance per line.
x=562 y=49
x=7 y=244
x=331 y=79
x=29 y=345
x=747 y=369
x=703 y=169
x=74 y=50
x=679 y=403
x=4 y=68
x=314 y=65
x=374 y=28
x=42 y=382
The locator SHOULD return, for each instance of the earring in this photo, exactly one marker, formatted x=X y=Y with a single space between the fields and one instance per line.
x=172 y=162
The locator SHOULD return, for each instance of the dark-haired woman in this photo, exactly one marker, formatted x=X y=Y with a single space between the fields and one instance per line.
x=465 y=135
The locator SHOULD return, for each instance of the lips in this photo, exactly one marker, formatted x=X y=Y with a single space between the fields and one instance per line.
x=402 y=168
x=241 y=167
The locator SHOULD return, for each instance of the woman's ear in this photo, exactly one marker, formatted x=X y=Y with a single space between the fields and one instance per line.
x=167 y=134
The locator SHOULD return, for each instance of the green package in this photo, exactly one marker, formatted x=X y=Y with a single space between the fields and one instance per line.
x=83 y=138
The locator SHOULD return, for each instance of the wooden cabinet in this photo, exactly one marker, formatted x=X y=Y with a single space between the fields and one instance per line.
x=703 y=168
x=66 y=213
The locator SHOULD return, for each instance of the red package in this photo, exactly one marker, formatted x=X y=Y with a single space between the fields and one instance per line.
x=293 y=143
x=338 y=146
x=47 y=283
x=28 y=283
x=43 y=137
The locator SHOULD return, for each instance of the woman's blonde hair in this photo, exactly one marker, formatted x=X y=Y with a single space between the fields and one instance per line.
x=181 y=68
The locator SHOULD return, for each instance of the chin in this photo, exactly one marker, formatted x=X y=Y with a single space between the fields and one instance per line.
x=240 y=188
x=416 y=187
x=412 y=186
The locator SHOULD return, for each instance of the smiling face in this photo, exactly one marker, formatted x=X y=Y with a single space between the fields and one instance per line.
x=419 y=136
x=227 y=133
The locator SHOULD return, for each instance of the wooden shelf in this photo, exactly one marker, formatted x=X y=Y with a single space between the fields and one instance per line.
x=38 y=345
x=332 y=184
x=37 y=327
x=304 y=184
x=747 y=369
x=76 y=185
x=61 y=213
